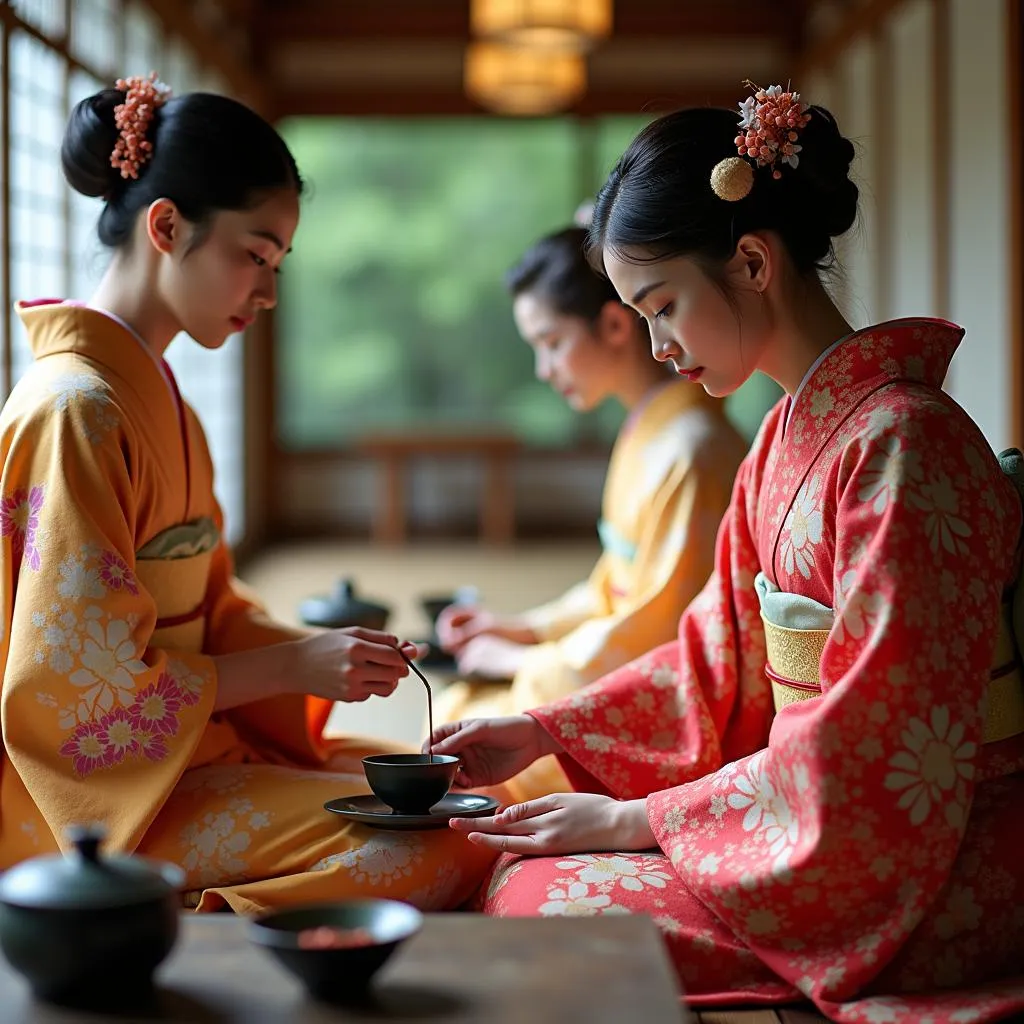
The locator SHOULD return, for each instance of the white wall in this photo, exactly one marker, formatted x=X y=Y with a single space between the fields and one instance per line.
x=979 y=223
x=856 y=72
x=890 y=264
x=912 y=187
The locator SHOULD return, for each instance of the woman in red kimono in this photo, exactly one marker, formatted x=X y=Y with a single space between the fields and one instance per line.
x=817 y=787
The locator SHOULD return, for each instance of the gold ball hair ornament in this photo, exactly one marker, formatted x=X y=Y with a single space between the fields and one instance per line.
x=732 y=179
x=770 y=124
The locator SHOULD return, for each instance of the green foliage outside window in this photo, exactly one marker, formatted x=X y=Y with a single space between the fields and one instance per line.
x=393 y=312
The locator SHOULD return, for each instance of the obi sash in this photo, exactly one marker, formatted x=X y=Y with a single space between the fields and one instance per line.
x=174 y=567
x=797 y=628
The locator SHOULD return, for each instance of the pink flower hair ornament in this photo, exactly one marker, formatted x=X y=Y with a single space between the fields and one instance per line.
x=771 y=121
x=143 y=97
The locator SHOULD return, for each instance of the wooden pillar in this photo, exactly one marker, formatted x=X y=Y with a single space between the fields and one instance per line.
x=497 y=502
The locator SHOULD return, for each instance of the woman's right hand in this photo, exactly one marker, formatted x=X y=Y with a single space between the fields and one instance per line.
x=492 y=749
x=458 y=624
x=351 y=664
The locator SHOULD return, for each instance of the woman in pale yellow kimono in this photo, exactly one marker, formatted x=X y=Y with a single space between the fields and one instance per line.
x=668 y=485
x=141 y=687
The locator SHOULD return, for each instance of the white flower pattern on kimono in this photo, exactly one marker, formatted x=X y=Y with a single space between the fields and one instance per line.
x=943 y=526
x=575 y=900
x=857 y=614
x=89 y=393
x=888 y=470
x=962 y=913
x=79 y=580
x=754 y=792
x=62 y=637
x=608 y=870
x=767 y=813
x=217 y=778
x=803 y=529
x=381 y=860
x=109 y=661
x=929 y=770
x=215 y=844
x=189 y=682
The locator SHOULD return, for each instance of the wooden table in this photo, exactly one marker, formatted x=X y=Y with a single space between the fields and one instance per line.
x=395 y=452
x=460 y=967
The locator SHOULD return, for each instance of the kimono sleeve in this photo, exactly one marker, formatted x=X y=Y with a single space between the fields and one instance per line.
x=286 y=728
x=97 y=725
x=578 y=604
x=823 y=852
x=674 y=558
x=684 y=708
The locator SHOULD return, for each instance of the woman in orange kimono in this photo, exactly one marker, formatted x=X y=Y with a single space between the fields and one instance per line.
x=668 y=486
x=817 y=787
x=141 y=687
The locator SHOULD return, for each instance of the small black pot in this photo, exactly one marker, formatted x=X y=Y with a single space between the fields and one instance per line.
x=343 y=608
x=89 y=931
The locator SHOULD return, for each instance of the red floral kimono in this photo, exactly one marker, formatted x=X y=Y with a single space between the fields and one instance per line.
x=832 y=750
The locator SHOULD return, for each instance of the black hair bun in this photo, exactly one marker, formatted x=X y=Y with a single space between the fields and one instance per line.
x=89 y=141
x=824 y=171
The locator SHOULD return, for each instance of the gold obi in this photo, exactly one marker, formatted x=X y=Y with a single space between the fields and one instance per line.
x=794 y=658
x=174 y=568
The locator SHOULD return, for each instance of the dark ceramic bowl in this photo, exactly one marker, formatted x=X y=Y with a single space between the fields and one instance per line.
x=336 y=975
x=410 y=783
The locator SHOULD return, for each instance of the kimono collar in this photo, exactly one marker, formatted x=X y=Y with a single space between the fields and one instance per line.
x=913 y=349
x=54 y=327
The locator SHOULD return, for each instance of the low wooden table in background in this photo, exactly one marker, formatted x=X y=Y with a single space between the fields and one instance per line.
x=395 y=452
x=460 y=968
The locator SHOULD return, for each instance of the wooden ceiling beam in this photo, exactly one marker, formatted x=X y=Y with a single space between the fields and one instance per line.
x=419 y=20
x=426 y=103
x=179 y=19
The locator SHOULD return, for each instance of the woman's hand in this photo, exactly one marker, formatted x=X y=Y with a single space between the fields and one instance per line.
x=490 y=657
x=492 y=749
x=563 y=823
x=459 y=623
x=351 y=664
x=337 y=664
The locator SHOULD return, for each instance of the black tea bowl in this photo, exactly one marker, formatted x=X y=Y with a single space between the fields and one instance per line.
x=370 y=931
x=411 y=783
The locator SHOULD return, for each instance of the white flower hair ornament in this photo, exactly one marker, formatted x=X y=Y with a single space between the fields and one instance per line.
x=770 y=121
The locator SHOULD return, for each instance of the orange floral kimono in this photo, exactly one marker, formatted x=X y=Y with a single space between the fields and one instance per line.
x=832 y=750
x=116 y=590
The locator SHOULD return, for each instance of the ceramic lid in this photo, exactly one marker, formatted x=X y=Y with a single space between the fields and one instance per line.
x=83 y=879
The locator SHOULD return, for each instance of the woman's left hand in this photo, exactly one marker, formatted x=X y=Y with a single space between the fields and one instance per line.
x=563 y=823
x=491 y=657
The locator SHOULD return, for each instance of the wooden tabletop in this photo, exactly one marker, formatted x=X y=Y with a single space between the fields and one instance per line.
x=460 y=967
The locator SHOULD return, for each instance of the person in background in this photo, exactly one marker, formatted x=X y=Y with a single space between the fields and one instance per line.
x=668 y=485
